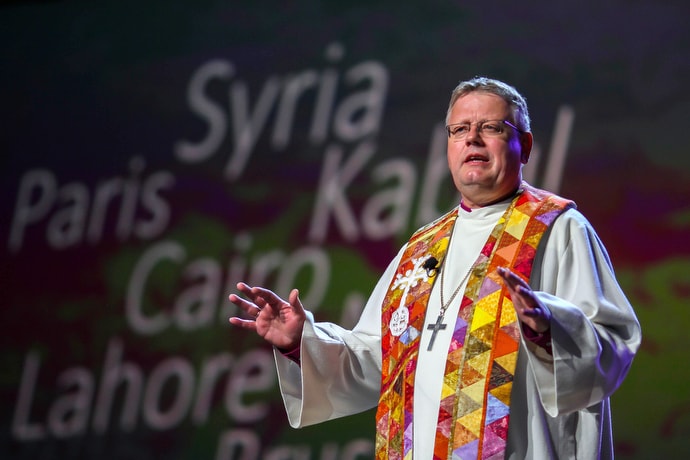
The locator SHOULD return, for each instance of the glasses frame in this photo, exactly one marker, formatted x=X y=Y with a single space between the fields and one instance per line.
x=479 y=127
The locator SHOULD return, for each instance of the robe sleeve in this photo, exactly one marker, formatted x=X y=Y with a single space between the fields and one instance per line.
x=594 y=331
x=339 y=371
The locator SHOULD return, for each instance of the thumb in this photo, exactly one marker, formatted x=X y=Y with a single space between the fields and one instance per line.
x=295 y=301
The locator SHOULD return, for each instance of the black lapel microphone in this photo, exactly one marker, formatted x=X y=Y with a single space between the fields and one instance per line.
x=431 y=266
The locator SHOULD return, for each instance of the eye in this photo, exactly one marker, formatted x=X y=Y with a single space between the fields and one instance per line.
x=492 y=127
x=459 y=130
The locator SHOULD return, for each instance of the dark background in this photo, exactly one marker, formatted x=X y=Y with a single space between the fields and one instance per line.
x=95 y=104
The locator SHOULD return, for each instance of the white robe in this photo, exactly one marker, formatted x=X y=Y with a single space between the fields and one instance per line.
x=560 y=402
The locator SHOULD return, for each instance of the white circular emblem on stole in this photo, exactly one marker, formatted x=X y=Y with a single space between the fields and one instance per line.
x=399 y=321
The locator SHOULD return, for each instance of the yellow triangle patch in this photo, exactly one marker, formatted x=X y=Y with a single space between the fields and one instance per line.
x=480 y=362
x=481 y=318
x=508 y=315
x=475 y=391
x=508 y=361
x=517 y=224
x=502 y=393
x=473 y=422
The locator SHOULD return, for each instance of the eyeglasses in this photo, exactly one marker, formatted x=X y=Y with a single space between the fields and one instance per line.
x=488 y=128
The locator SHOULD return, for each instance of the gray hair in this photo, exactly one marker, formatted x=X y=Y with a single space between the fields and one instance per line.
x=515 y=100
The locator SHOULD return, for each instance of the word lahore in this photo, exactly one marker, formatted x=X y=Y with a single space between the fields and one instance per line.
x=89 y=399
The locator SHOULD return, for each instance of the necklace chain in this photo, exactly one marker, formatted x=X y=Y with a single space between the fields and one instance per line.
x=444 y=305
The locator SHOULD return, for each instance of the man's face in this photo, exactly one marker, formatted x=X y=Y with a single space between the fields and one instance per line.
x=486 y=169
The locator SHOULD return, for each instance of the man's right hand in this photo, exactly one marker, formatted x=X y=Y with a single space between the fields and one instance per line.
x=279 y=322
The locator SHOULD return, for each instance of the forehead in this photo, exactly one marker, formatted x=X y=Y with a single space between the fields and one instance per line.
x=477 y=106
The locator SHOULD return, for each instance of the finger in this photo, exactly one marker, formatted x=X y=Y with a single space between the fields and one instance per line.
x=253 y=298
x=243 y=323
x=510 y=285
x=265 y=297
x=532 y=305
x=243 y=304
x=511 y=278
x=244 y=288
x=250 y=308
x=526 y=295
x=257 y=295
x=524 y=298
x=532 y=312
x=295 y=301
x=507 y=276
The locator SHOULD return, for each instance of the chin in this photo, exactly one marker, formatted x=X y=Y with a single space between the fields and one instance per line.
x=475 y=180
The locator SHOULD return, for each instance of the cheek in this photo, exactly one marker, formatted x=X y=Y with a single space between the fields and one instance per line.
x=455 y=165
x=510 y=157
x=452 y=155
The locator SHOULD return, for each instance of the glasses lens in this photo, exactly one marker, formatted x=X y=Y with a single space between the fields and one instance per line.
x=491 y=128
x=488 y=128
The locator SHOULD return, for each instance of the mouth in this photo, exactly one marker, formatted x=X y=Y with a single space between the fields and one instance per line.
x=476 y=158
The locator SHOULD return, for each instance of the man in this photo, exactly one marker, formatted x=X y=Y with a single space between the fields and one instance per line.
x=498 y=331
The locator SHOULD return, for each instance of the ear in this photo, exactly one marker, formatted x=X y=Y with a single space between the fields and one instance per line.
x=526 y=141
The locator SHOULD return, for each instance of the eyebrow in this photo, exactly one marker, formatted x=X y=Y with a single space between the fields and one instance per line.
x=480 y=120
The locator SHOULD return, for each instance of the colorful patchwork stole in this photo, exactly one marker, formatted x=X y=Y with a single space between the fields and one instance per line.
x=475 y=399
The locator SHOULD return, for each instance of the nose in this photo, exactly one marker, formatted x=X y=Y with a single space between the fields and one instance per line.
x=473 y=136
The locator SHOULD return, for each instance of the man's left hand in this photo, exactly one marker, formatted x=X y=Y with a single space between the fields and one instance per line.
x=530 y=310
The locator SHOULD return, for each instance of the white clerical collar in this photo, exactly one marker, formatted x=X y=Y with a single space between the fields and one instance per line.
x=485 y=211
